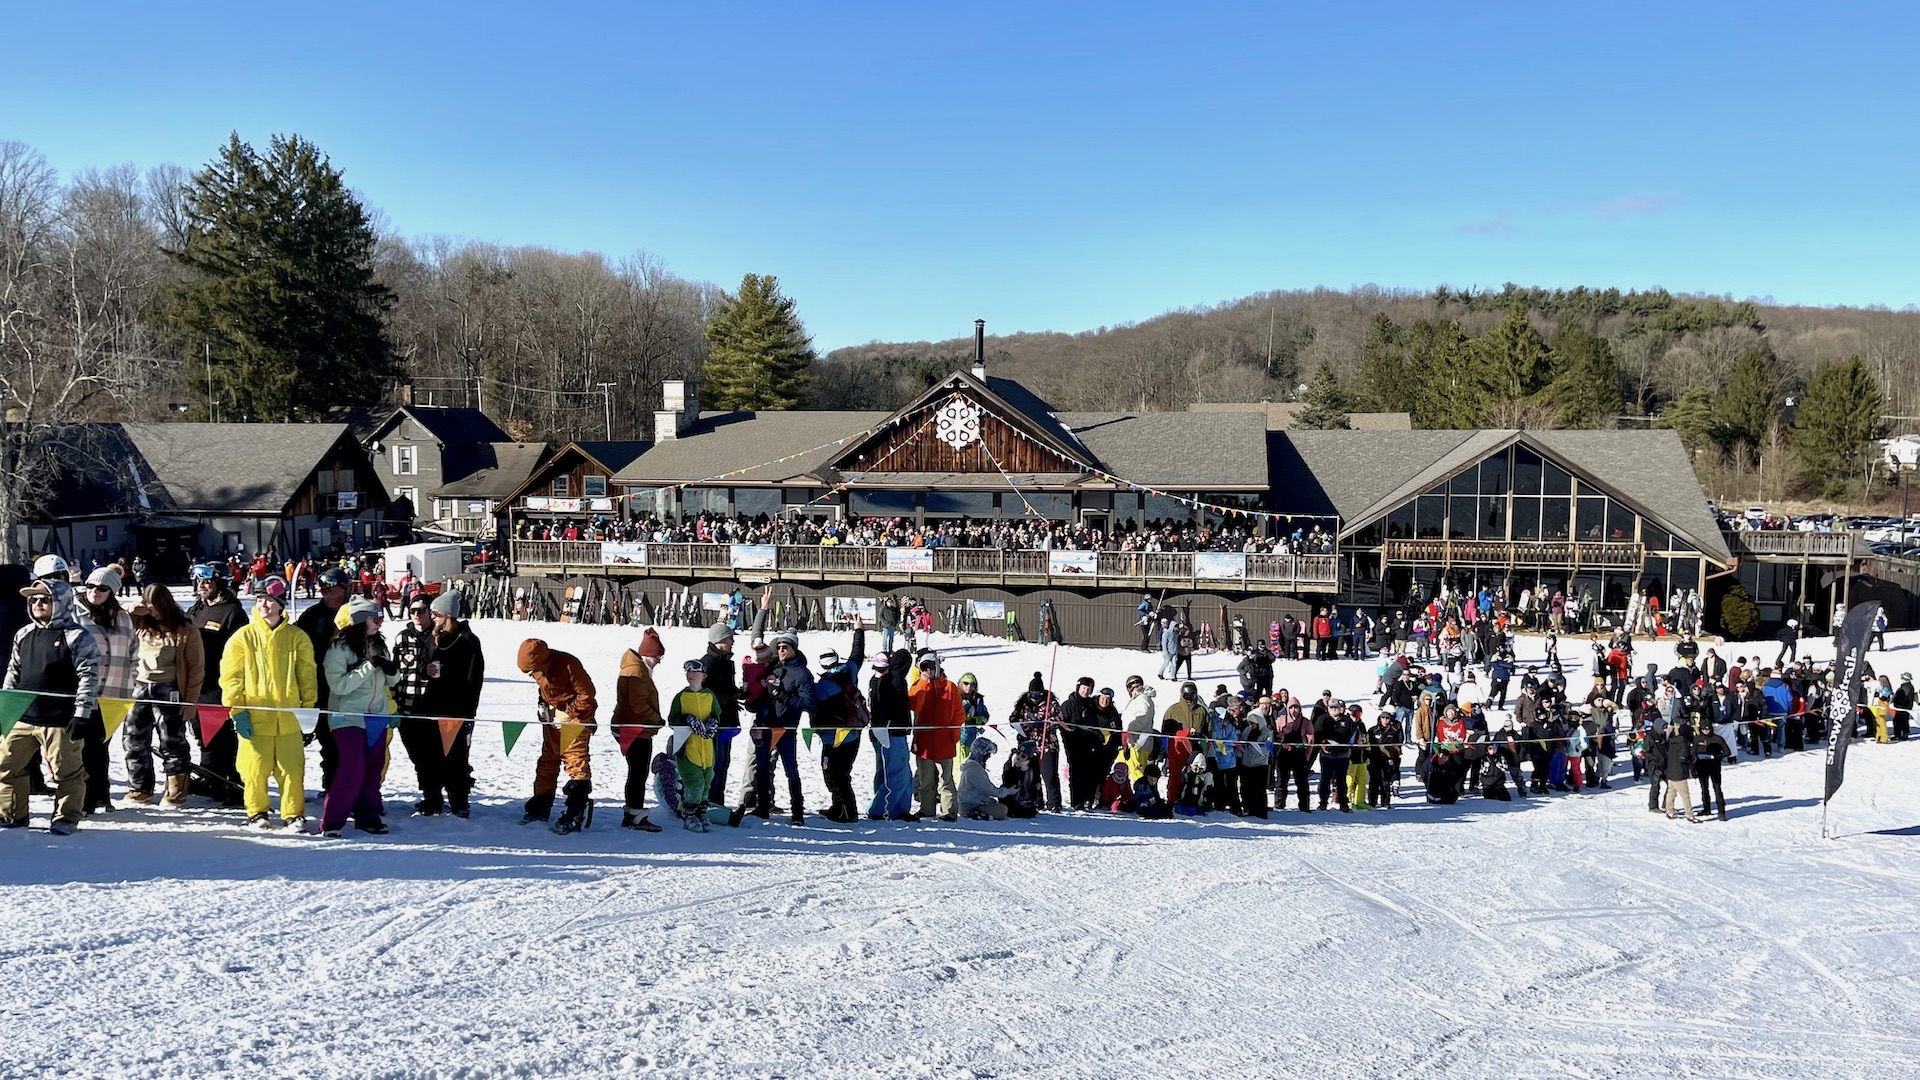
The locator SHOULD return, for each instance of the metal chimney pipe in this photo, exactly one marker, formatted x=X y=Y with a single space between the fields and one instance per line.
x=980 y=349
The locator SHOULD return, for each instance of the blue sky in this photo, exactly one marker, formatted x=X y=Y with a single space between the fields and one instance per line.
x=906 y=168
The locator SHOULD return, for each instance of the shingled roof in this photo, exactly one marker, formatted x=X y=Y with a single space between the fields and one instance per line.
x=190 y=468
x=1177 y=449
x=1362 y=475
x=1282 y=415
x=722 y=442
x=494 y=468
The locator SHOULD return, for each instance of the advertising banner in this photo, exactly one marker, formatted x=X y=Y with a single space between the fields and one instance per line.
x=1073 y=563
x=623 y=554
x=751 y=556
x=906 y=560
x=1219 y=565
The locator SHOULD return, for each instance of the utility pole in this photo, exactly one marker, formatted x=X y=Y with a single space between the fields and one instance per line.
x=207 y=352
x=606 y=399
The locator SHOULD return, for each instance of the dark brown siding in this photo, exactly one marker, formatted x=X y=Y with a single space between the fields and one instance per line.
x=891 y=450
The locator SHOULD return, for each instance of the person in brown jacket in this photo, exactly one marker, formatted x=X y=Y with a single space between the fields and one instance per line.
x=169 y=664
x=636 y=719
x=566 y=697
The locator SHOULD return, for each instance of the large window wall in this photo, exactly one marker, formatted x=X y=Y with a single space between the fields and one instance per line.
x=1517 y=495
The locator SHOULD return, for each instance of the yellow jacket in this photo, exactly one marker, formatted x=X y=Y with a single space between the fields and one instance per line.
x=269 y=668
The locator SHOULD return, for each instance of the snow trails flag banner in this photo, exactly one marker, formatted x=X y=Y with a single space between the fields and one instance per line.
x=570 y=732
x=450 y=733
x=626 y=734
x=113 y=713
x=376 y=729
x=308 y=719
x=510 y=731
x=211 y=718
x=13 y=706
x=1844 y=705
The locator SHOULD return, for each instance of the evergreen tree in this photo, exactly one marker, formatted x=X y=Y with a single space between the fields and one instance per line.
x=283 y=294
x=1515 y=360
x=1586 y=392
x=1453 y=390
x=1750 y=408
x=1327 y=404
x=1691 y=414
x=1384 y=382
x=760 y=355
x=1837 y=421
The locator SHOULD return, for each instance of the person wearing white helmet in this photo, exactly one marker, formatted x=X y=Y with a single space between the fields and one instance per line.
x=54 y=655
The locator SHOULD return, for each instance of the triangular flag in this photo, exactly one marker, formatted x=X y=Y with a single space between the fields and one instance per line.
x=626 y=734
x=212 y=718
x=568 y=733
x=806 y=733
x=308 y=719
x=376 y=729
x=450 y=734
x=512 y=732
x=114 y=712
x=13 y=706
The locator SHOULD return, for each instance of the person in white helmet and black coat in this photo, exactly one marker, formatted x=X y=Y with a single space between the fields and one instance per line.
x=55 y=655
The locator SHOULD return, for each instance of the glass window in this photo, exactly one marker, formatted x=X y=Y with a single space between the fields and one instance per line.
x=1158 y=508
x=1559 y=481
x=1653 y=579
x=884 y=503
x=1526 y=471
x=1433 y=514
x=1654 y=537
x=697 y=500
x=1400 y=523
x=1494 y=474
x=561 y=487
x=596 y=486
x=1555 y=518
x=1619 y=523
x=1493 y=517
x=752 y=502
x=1462 y=513
x=1590 y=521
x=1053 y=504
x=1366 y=538
x=643 y=501
x=1526 y=518
x=1684 y=573
x=967 y=503
x=1465 y=483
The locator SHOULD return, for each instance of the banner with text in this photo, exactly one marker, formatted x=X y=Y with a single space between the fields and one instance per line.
x=752 y=556
x=907 y=560
x=1219 y=565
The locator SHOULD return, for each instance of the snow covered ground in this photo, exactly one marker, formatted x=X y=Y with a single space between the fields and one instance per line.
x=1577 y=936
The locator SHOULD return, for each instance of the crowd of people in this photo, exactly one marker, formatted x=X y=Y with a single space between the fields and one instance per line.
x=1012 y=534
x=1472 y=722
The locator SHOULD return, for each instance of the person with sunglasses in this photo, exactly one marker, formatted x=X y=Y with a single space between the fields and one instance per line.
x=112 y=629
x=55 y=655
x=412 y=659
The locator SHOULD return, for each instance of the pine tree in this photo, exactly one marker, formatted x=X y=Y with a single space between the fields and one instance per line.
x=1691 y=414
x=759 y=353
x=1515 y=360
x=1586 y=392
x=1836 y=422
x=284 y=294
x=1453 y=390
x=1750 y=408
x=1326 y=400
x=1384 y=385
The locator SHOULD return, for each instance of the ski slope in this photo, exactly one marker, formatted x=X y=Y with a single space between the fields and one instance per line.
x=1577 y=936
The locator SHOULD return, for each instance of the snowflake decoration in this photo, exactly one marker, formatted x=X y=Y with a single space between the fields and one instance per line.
x=958 y=423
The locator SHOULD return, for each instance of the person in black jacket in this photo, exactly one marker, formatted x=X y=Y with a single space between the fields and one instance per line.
x=788 y=691
x=1020 y=775
x=837 y=719
x=1256 y=671
x=1903 y=700
x=1680 y=756
x=456 y=670
x=1710 y=752
x=1789 y=644
x=218 y=616
x=1335 y=735
x=1654 y=752
x=892 y=735
x=419 y=733
x=724 y=681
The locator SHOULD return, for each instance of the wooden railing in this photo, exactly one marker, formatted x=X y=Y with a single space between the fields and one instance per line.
x=1514 y=553
x=957 y=566
x=1819 y=545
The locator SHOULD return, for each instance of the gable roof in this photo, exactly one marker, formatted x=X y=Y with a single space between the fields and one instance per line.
x=608 y=456
x=495 y=468
x=1362 y=475
x=1013 y=403
x=112 y=469
x=447 y=424
x=719 y=443
x=1282 y=415
x=1176 y=449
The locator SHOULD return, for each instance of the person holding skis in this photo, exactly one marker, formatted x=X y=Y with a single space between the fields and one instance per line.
x=566 y=699
x=636 y=720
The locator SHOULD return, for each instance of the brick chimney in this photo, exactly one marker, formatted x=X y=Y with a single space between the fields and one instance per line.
x=679 y=408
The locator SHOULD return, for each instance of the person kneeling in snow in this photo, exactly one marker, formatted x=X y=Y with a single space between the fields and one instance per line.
x=1196 y=791
x=1116 y=791
x=1021 y=778
x=977 y=796
x=1146 y=800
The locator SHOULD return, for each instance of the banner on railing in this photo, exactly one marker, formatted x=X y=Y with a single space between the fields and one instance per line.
x=867 y=607
x=563 y=506
x=600 y=504
x=1219 y=565
x=752 y=556
x=989 y=609
x=612 y=554
x=1073 y=563
x=906 y=560
x=537 y=502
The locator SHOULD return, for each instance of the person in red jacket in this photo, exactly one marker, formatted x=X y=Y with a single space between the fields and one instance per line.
x=1322 y=636
x=938 y=714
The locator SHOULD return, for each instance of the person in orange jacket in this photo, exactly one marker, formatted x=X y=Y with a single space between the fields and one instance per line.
x=938 y=714
x=566 y=697
x=636 y=705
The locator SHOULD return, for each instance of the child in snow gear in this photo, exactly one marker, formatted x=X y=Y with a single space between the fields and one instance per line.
x=51 y=653
x=978 y=797
x=267 y=669
x=839 y=714
x=1146 y=799
x=566 y=698
x=694 y=721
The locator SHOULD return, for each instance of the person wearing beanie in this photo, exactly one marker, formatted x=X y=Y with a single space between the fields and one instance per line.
x=98 y=609
x=51 y=653
x=891 y=731
x=566 y=698
x=786 y=697
x=938 y=716
x=359 y=673
x=268 y=668
x=455 y=673
x=636 y=720
x=1042 y=720
x=419 y=734
x=723 y=680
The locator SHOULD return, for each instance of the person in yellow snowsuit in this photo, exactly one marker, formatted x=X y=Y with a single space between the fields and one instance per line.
x=268 y=668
